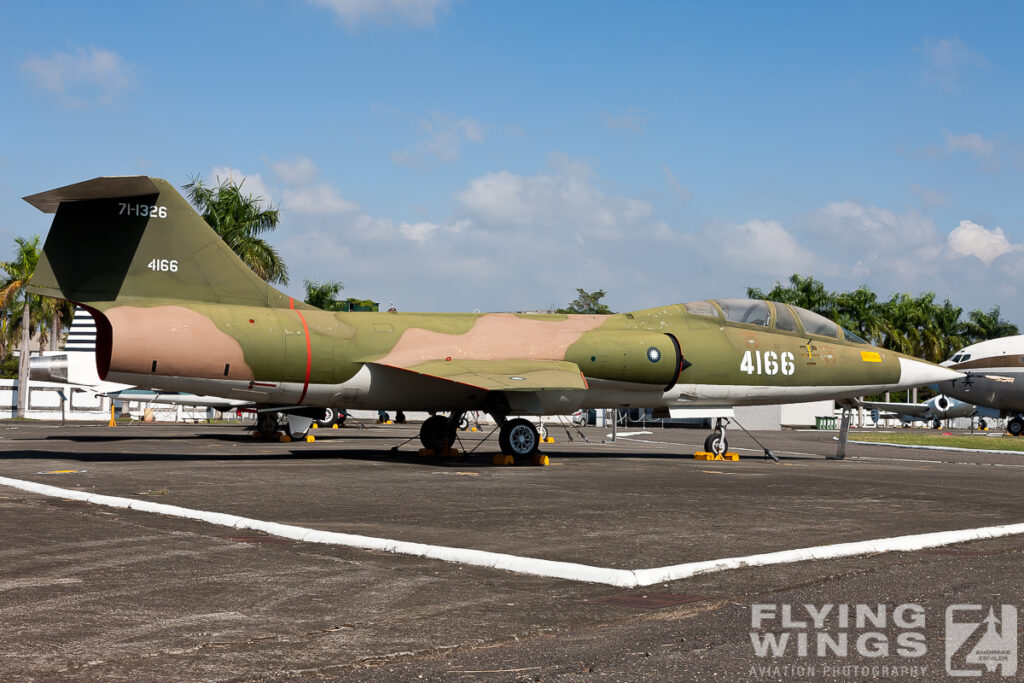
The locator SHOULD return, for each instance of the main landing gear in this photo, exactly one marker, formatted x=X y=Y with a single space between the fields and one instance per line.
x=517 y=437
x=1015 y=426
x=438 y=432
x=266 y=423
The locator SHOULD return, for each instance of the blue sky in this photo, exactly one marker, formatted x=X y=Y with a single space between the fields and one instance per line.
x=460 y=155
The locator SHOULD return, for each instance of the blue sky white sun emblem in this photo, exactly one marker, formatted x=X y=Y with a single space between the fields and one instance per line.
x=653 y=354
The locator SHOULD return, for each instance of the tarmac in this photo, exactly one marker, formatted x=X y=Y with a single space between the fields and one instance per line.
x=91 y=592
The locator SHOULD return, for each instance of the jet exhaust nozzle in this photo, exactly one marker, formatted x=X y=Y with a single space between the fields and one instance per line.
x=49 y=368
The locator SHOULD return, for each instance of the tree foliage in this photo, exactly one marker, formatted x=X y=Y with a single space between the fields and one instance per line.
x=18 y=274
x=324 y=295
x=587 y=302
x=916 y=325
x=240 y=219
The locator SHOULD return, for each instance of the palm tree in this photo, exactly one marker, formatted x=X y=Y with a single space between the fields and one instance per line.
x=56 y=314
x=803 y=291
x=19 y=274
x=324 y=295
x=948 y=331
x=239 y=219
x=981 y=326
x=859 y=312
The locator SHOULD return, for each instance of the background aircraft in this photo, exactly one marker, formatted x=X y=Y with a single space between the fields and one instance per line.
x=934 y=410
x=994 y=377
x=175 y=309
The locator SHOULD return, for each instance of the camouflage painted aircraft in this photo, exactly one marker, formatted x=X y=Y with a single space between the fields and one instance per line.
x=177 y=310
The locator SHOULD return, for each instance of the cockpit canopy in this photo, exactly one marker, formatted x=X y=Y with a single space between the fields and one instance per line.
x=771 y=314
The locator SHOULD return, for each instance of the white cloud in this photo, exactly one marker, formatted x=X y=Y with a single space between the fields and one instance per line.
x=972 y=143
x=299 y=171
x=369 y=229
x=250 y=184
x=971 y=239
x=424 y=231
x=419 y=13
x=946 y=60
x=763 y=247
x=872 y=228
x=440 y=137
x=868 y=242
x=87 y=76
x=318 y=199
x=567 y=202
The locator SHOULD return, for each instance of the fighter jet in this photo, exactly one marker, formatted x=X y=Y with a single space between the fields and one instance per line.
x=76 y=365
x=934 y=410
x=994 y=378
x=176 y=309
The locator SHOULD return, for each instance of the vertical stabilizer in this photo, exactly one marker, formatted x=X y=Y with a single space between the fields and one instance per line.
x=135 y=240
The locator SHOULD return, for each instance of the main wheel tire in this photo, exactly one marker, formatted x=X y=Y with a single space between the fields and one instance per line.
x=982 y=424
x=435 y=434
x=266 y=423
x=329 y=418
x=519 y=437
x=936 y=423
x=1015 y=426
x=715 y=441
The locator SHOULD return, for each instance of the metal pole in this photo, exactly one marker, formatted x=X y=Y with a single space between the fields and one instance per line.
x=844 y=434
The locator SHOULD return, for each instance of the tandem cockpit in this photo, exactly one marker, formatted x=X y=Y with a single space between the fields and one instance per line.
x=772 y=315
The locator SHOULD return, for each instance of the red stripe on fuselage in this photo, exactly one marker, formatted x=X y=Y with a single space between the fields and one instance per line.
x=309 y=349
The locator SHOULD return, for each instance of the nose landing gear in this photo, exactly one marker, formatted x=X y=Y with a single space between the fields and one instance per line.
x=716 y=442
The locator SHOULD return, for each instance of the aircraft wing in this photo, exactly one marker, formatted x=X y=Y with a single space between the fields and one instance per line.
x=505 y=375
x=921 y=410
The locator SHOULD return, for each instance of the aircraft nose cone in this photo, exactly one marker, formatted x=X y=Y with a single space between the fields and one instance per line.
x=915 y=373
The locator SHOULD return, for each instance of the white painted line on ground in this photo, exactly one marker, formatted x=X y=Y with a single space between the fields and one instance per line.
x=623 y=578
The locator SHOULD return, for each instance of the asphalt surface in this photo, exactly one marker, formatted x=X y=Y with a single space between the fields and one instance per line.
x=95 y=593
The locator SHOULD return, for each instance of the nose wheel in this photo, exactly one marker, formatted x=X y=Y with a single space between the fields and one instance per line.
x=716 y=442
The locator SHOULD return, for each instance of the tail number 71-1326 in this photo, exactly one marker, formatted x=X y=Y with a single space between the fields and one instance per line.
x=767 y=363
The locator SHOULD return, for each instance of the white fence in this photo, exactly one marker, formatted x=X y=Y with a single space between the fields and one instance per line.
x=52 y=401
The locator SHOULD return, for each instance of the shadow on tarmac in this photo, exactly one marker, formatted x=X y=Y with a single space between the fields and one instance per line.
x=482 y=458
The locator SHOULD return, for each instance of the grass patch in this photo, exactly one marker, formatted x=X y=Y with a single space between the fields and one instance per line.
x=155 y=492
x=979 y=442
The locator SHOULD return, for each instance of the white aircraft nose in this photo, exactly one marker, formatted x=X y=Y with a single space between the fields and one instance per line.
x=915 y=373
